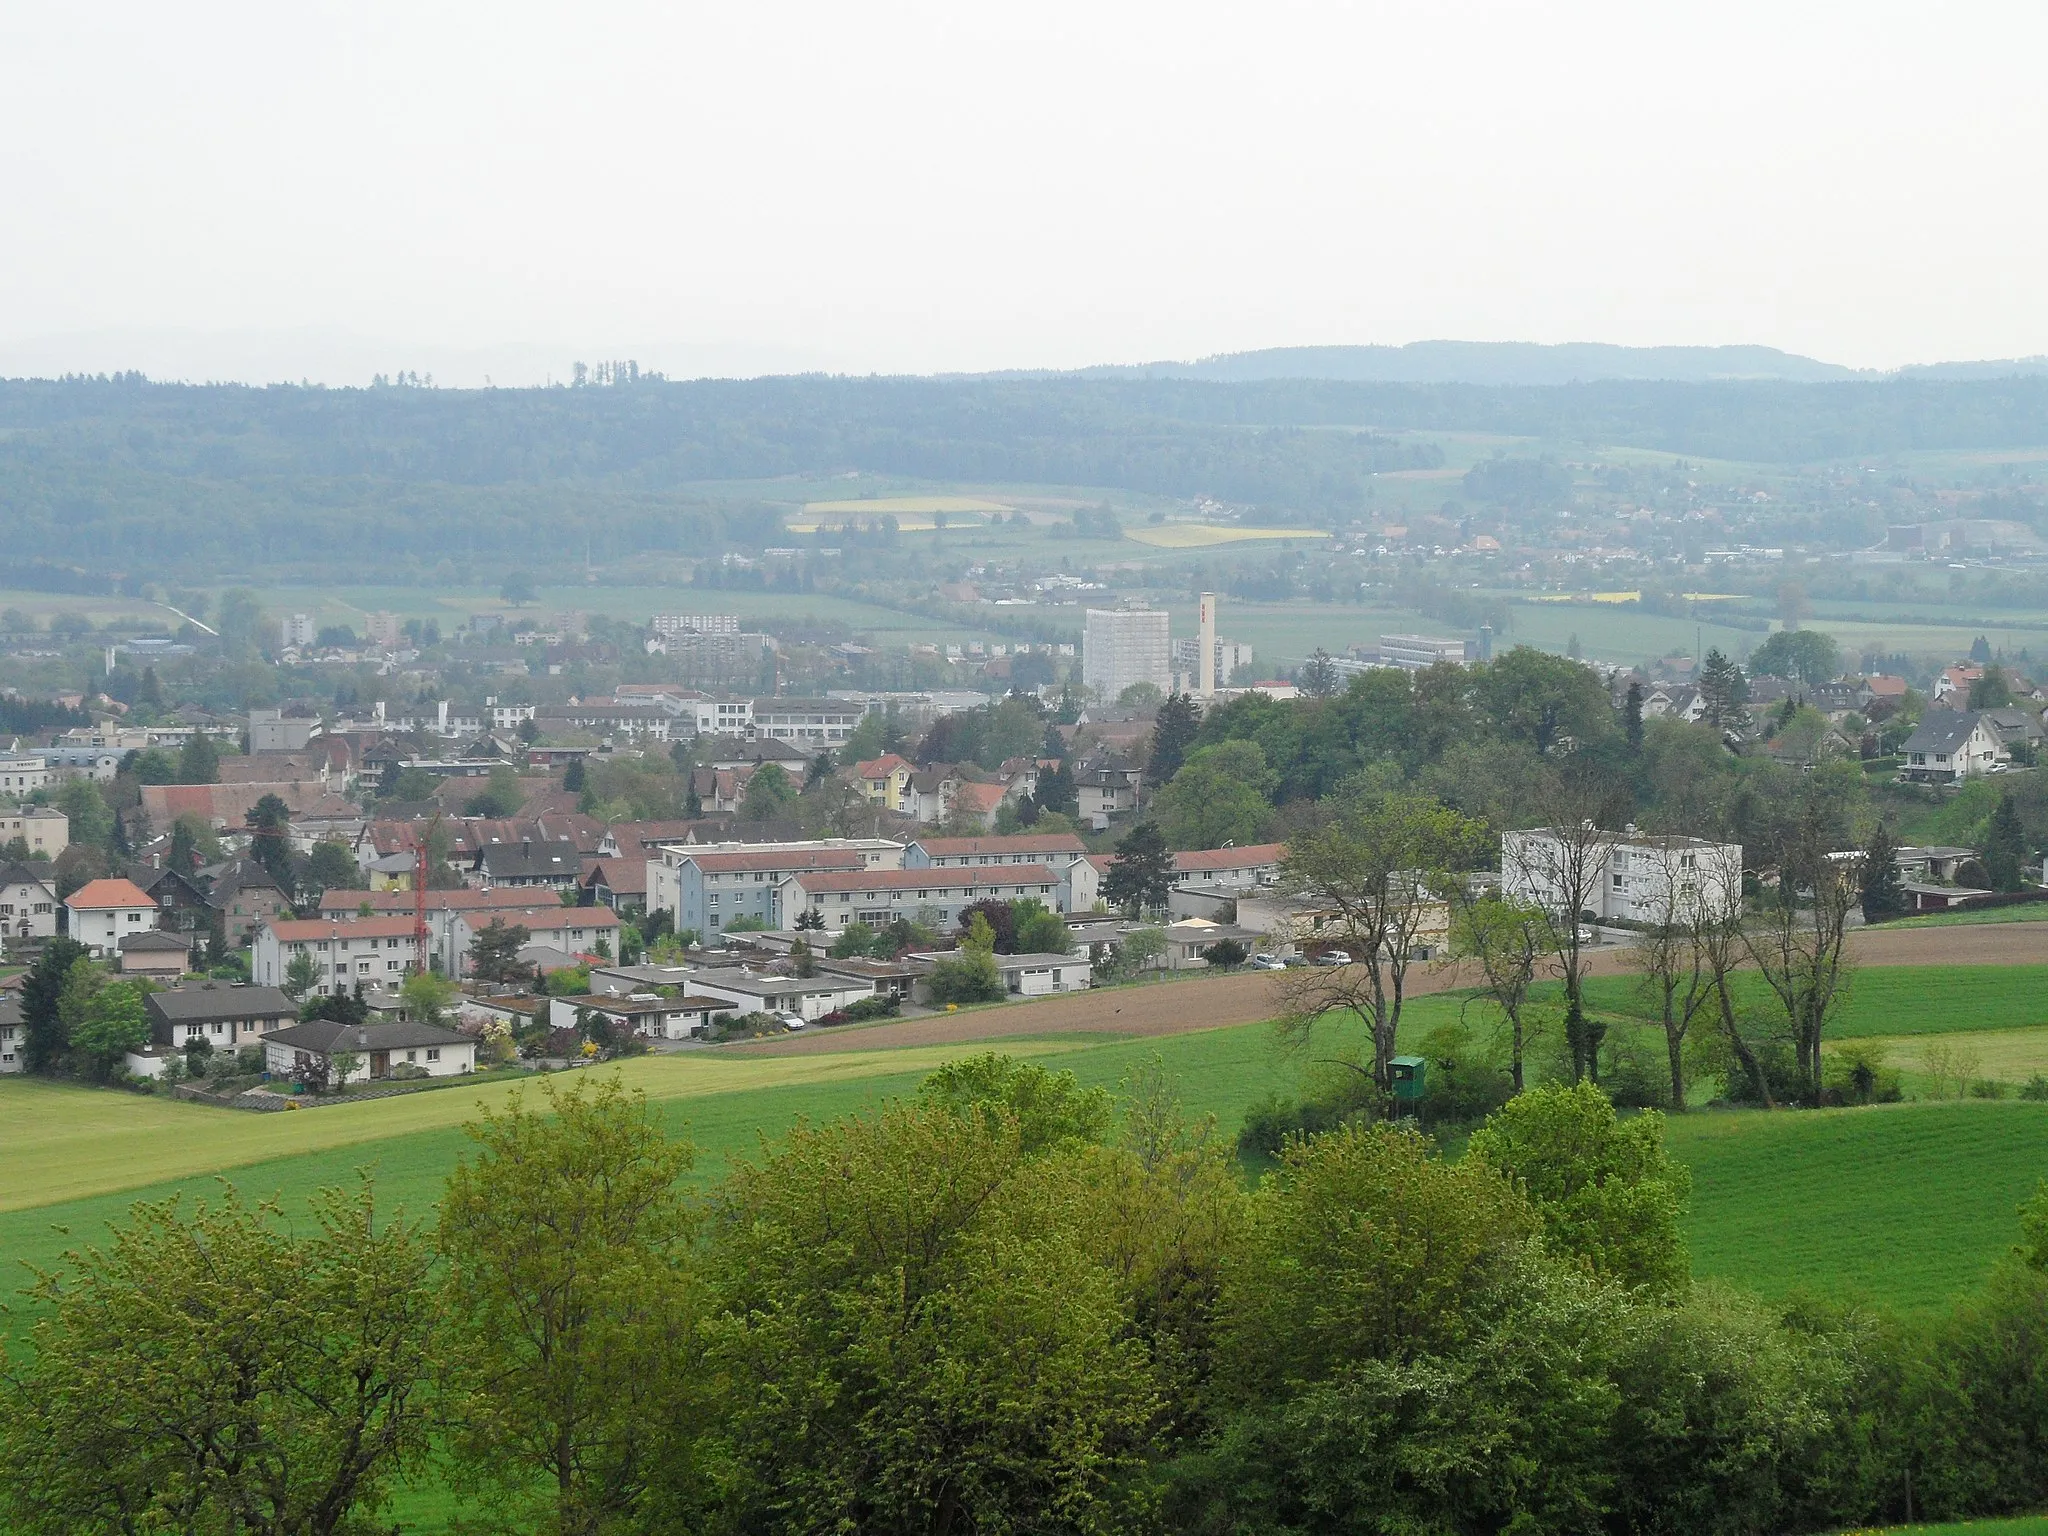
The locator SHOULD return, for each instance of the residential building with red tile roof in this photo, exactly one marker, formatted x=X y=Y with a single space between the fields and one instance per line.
x=878 y=897
x=104 y=912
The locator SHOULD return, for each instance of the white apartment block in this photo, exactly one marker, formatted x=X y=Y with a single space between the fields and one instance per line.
x=47 y=832
x=1119 y=648
x=669 y=625
x=805 y=722
x=1626 y=876
x=877 y=897
x=297 y=629
x=367 y=950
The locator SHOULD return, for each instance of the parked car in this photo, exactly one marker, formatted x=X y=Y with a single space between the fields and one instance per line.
x=790 y=1020
x=1266 y=963
x=1589 y=936
x=1333 y=957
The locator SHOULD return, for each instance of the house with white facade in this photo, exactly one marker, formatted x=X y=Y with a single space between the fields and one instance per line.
x=13 y=1033
x=367 y=1052
x=1624 y=876
x=570 y=931
x=23 y=773
x=745 y=991
x=44 y=831
x=28 y=902
x=705 y=886
x=1951 y=745
x=224 y=1014
x=104 y=912
x=645 y=1013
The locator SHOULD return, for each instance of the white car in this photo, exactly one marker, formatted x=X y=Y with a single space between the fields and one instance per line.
x=790 y=1020
x=1266 y=963
x=1333 y=957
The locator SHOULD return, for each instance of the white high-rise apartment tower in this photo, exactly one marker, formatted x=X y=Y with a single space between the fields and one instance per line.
x=1206 y=656
x=1121 y=648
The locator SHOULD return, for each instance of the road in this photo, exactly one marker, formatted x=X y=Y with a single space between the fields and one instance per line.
x=1175 y=1007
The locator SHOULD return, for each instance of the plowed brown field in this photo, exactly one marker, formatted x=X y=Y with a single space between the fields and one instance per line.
x=1174 y=1007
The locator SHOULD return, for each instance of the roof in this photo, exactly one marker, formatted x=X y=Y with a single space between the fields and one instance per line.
x=922 y=879
x=17 y=873
x=1228 y=858
x=464 y=899
x=218 y=1000
x=882 y=767
x=753 y=982
x=295 y=931
x=625 y=876
x=1942 y=730
x=613 y=1002
x=325 y=1037
x=549 y=919
x=980 y=797
x=816 y=858
x=505 y=861
x=108 y=893
x=157 y=939
x=1023 y=842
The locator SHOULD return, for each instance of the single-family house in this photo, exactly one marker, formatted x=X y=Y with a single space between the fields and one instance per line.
x=377 y=1050
x=28 y=902
x=745 y=991
x=620 y=884
x=556 y=865
x=1949 y=746
x=224 y=1014
x=104 y=912
x=13 y=1033
x=884 y=782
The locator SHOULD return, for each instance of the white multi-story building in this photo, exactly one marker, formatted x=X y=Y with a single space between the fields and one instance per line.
x=1119 y=648
x=383 y=630
x=705 y=887
x=296 y=629
x=1413 y=653
x=104 y=912
x=23 y=773
x=807 y=723
x=672 y=624
x=1622 y=876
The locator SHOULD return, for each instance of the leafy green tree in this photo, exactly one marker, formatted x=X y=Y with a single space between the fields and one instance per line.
x=332 y=868
x=810 y=920
x=1632 y=716
x=1535 y=697
x=221 y=1371
x=1038 y=930
x=1140 y=696
x=928 y=1342
x=500 y=797
x=1219 y=797
x=769 y=794
x=972 y=976
x=1140 y=949
x=199 y=760
x=519 y=590
x=113 y=1026
x=1883 y=889
x=152 y=765
x=1365 y=1247
x=1142 y=874
x=1801 y=655
x=1506 y=943
x=853 y=942
x=802 y=960
x=427 y=996
x=2005 y=846
x=565 y=1239
x=1226 y=954
x=92 y=821
x=192 y=844
x=1048 y=1109
x=1605 y=1188
x=1173 y=732
x=301 y=976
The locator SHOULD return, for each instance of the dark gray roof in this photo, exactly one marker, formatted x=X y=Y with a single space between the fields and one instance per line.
x=325 y=1036
x=156 y=938
x=218 y=1000
x=1942 y=730
x=530 y=861
x=17 y=873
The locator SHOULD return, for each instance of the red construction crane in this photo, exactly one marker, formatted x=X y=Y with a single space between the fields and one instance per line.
x=422 y=940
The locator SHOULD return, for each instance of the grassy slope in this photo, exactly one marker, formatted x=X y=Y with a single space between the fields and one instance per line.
x=1894 y=1000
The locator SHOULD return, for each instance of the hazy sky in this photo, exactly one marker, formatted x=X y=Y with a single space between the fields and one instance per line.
x=324 y=187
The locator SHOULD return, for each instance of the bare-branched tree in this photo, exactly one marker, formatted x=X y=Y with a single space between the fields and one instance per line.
x=1379 y=869
x=1798 y=938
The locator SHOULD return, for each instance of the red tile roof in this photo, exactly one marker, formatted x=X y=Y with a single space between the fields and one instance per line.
x=1229 y=858
x=1023 y=842
x=294 y=931
x=344 y=904
x=729 y=863
x=116 y=892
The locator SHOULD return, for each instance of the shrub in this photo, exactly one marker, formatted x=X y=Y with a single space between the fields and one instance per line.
x=971 y=977
x=1987 y=1088
x=872 y=1008
x=2035 y=1088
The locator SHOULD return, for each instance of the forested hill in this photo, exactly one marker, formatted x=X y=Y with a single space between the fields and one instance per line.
x=116 y=473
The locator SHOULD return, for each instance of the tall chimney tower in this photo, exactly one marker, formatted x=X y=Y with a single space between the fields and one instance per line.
x=1205 y=659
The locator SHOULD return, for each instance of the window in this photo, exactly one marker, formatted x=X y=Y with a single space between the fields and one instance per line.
x=433 y=1053
x=411 y=1056
x=1621 y=882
